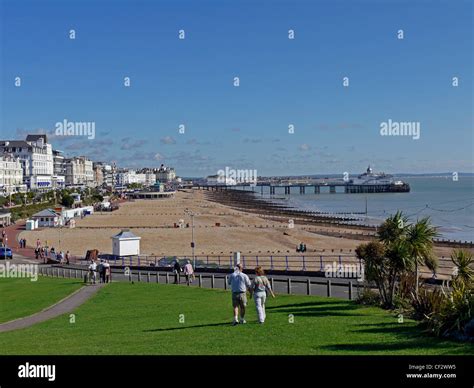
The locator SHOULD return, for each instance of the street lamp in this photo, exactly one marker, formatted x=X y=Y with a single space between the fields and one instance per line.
x=192 y=214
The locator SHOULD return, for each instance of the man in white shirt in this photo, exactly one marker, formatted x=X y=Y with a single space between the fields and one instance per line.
x=239 y=283
x=92 y=270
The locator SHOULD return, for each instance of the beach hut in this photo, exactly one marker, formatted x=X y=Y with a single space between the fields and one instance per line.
x=125 y=243
x=47 y=218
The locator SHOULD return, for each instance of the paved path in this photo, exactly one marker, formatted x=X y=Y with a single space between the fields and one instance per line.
x=12 y=232
x=65 y=305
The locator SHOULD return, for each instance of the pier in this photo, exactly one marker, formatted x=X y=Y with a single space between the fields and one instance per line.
x=313 y=187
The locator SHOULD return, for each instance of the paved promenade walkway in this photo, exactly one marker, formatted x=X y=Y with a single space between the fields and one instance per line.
x=65 y=305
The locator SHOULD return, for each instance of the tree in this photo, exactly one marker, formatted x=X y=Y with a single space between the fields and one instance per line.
x=419 y=238
x=67 y=200
x=393 y=229
x=463 y=260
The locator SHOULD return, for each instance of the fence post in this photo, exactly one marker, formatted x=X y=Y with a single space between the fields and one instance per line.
x=308 y=286
x=148 y=277
x=157 y=277
x=139 y=276
x=167 y=278
x=329 y=288
x=212 y=281
x=69 y=273
x=289 y=286
x=75 y=273
x=225 y=282
x=272 y=284
x=350 y=290
x=200 y=280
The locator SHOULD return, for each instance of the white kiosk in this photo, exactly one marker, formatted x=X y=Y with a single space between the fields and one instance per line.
x=125 y=244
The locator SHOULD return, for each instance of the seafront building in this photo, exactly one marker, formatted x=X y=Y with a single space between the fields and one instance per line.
x=79 y=172
x=103 y=174
x=43 y=168
x=59 y=170
x=36 y=157
x=11 y=175
x=98 y=174
x=165 y=174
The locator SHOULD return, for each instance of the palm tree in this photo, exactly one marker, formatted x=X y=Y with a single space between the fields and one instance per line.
x=419 y=239
x=393 y=229
x=463 y=259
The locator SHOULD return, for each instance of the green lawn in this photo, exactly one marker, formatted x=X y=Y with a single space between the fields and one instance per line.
x=144 y=318
x=20 y=297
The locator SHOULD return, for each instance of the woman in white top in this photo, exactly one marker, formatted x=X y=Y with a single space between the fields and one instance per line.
x=259 y=288
x=189 y=272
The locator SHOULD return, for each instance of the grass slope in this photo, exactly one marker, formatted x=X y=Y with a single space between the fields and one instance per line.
x=20 y=297
x=143 y=318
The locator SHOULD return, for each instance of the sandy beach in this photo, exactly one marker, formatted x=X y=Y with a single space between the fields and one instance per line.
x=223 y=224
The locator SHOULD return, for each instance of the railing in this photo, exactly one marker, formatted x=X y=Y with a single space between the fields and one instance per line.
x=287 y=285
x=277 y=262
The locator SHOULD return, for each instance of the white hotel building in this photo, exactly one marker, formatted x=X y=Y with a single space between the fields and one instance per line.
x=79 y=172
x=11 y=175
x=36 y=157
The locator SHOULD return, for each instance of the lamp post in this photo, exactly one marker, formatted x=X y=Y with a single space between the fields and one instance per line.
x=192 y=214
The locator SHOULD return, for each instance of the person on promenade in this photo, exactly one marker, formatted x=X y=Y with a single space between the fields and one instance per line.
x=92 y=271
x=101 y=271
x=24 y=243
x=259 y=288
x=108 y=271
x=37 y=253
x=239 y=283
x=38 y=243
x=176 y=270
x=188 y=272
x=68 y=256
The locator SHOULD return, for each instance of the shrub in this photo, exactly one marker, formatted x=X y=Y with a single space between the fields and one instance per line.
x=454 y=314
x=369 y=297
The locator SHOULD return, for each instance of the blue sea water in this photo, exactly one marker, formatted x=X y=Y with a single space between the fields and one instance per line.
x=449 y=204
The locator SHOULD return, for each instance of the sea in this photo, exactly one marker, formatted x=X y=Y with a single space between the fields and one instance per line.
x=448 y=203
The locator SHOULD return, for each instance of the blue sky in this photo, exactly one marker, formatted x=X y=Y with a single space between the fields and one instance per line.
x=282 y=82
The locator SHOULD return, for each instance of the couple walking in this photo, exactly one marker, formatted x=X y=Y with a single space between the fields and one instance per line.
x=239 y=283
